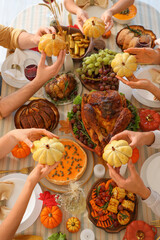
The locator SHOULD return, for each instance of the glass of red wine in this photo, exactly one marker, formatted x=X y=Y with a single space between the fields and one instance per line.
x=30 y=69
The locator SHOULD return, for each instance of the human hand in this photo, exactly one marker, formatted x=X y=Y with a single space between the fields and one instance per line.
x=134 y=82
x=133 y=183
x=29 y=135
x=135 y=139
x=40 y=171
x=44 y=72
x=145 y=55
x=107 y=18
x=41 y=31
x=157 y=42
x=82 y=16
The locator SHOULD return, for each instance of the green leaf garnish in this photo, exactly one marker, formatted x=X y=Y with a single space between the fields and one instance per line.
x=137 y=32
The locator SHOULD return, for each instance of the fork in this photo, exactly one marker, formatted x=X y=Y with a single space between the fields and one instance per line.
x=25 y=170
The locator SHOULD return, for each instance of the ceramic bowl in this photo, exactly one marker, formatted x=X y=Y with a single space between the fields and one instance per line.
x=126 y=21
x=94 y=45
x=122 y=21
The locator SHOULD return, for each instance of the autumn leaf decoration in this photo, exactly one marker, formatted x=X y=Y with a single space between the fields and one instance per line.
x=64 y=126
x=49 y=199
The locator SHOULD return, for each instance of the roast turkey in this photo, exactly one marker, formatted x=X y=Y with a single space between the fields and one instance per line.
x=61 y=86
x=128 y=37
x=104 y=114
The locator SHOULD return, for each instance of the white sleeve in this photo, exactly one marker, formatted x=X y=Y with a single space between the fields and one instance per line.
x=153 y=202
x=156 y=143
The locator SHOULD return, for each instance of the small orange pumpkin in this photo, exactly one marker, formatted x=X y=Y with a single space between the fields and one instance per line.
x=21 y=150
x=73 y=224
x=106 y=35
x=51 y=217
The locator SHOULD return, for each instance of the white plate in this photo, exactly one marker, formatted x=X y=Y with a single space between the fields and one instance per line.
x=79 y=87
x=34 y=206
x=7 y=65
x=143 y=173
x=153 y=176
x=143 y=96
x=18 y=186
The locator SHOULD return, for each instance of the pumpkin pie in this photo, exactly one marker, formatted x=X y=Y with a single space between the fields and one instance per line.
x=72 y=165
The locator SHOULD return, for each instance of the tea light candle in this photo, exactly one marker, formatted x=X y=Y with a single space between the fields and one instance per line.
x=87 y=234
x=99 y=171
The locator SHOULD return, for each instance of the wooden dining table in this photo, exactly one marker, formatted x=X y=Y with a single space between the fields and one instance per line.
x=31 y=19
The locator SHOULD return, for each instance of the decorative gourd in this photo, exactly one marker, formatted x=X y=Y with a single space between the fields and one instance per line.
x=106 y=34
x=21 y=150
x=73 y=224
x=140 y=230
x=94 y=27
x=51 y=44
x=124 y=64
x=47 y=151
x=51 y=217
x=117 y=153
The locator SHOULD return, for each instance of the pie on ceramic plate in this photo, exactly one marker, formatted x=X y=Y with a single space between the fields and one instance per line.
x=72 y=165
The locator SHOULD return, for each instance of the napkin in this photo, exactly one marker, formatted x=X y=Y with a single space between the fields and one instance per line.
x=6 y=189
x=18 y=58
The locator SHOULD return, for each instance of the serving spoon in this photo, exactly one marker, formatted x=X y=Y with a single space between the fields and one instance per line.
x=25 y=170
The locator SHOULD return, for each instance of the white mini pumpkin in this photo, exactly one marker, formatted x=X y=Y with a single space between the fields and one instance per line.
x=124 y=64
x=47 y=151
x=117 y=153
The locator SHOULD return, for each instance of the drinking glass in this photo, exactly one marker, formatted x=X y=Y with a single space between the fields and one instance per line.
x=30 y=68
x=74 y=202
x=144 y=41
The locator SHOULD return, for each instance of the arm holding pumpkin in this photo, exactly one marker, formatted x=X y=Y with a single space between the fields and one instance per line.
x=13 y=38
x=8 y=141
x=27 y=40
x=136 y=83
x=137 y=139
x=82 y=15
x=135 y=184
x=44 y=73
x=145 y=55
x=14 y=218
x=116 y=8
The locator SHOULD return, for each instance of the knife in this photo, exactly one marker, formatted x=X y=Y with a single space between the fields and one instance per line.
x=27 y=237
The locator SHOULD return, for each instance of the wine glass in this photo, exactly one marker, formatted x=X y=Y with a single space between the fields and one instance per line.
x=144 y=41
x=30 y=68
